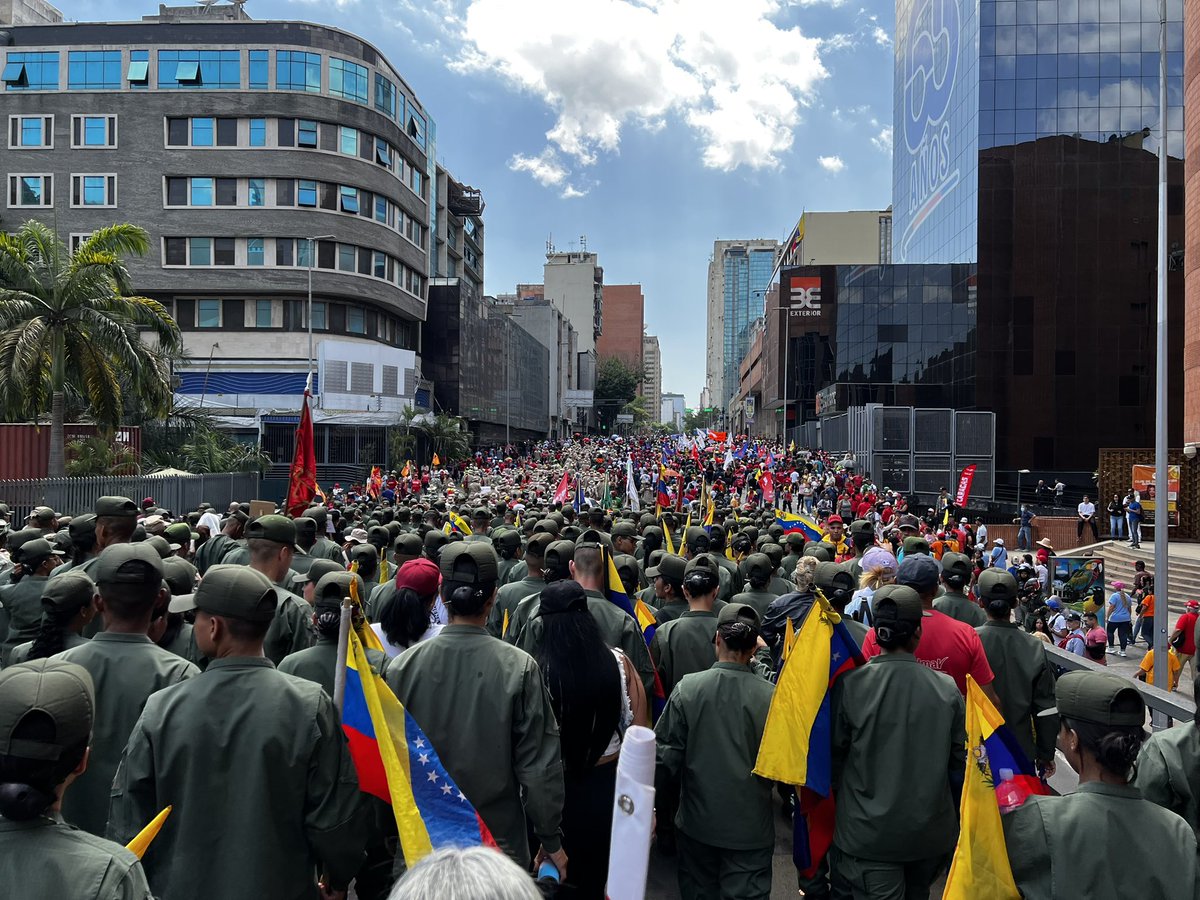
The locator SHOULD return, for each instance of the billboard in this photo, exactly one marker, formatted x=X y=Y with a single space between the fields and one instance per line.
x=1143 y=482
x=1078 y=582
x=804 y=296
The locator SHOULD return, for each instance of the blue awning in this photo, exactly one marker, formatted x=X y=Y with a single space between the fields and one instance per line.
x=14 y=73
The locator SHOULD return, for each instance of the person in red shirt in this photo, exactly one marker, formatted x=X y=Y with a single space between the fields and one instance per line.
x=1186 y=627
x=946 y=645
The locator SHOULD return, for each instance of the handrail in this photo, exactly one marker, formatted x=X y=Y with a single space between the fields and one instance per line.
x=1166 y=702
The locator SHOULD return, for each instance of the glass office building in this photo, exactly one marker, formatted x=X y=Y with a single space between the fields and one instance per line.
x=747 y=276
x=1026 y=141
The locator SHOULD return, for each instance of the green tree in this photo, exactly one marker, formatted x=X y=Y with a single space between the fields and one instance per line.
x=446 y=438
x=402 y=438
x=700 y=418
x=100 y=454
x=68 y=323
x=194 y=445
x=616 y=385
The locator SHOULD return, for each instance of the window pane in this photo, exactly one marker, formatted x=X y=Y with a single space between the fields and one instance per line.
x=94 y=193
x=258 y=132
x=31 y=71
x=177 y=132
x=223 y=251
x=202 y=192
x=262 y=313
x=226 y=132
x=208 y=313
x=94 y=70
x=379 y=264
x=226 y=192
x=346 y=257
x=382 y=156
x=349 y=199
x=200 y=253
x=176 y=252
x=306 y=193
x=283 y=251
x=203 y=132
x=95 y=131
x=348 y=80
x=349 y=141
x=177 y=192
x=381 y=209
x=318 y=315
x=385 y=96
x=139 y=72
x=285 y=192
x=254 y=252
x=32 y=191
x=296 y=71
x=303 y=253
x=306 y=133
x=356 y=320
x=258 y=69
x=256 y=192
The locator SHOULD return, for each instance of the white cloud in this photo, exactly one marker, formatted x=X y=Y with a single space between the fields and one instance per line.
x=544 y=168
x=740 y=81
x=882 y=38
x=570 y=192
x=832 y=164
x=883 y=140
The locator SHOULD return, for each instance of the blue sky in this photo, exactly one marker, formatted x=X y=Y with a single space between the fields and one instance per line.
x=651 y=127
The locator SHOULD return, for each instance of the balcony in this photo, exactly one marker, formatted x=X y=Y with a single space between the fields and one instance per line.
x=463 y=200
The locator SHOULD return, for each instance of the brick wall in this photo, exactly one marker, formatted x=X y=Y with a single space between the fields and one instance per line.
x=624 y=309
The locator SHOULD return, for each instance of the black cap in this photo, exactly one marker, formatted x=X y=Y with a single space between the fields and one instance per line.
x=470 y=563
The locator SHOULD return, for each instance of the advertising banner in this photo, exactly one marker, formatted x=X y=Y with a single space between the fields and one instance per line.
x=1078 y=582
x=964 y=486
x=1142 y=481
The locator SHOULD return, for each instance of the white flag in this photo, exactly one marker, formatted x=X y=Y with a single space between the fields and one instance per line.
x=631 y=487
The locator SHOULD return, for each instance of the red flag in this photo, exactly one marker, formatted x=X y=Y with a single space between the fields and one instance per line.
x=564 y=489
x=964 y=485
x=767 y=483
x=695 y=453
x=302 y=481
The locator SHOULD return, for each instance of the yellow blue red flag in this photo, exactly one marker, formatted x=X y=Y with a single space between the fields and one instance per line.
x=793 y=522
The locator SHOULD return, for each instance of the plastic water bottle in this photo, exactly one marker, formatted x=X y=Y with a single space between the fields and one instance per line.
x=1008 y=795
x=548 y=878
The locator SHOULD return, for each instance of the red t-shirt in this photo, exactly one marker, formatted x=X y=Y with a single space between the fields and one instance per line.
x=1187 y=624
x=948 y=646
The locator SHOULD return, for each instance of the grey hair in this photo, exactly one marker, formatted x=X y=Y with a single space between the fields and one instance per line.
x=474 y=873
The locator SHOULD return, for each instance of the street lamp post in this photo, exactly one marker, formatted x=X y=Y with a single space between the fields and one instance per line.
x=1020 y=472
x=311 y=257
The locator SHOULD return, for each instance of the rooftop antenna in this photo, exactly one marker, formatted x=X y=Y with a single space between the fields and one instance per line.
x=583 y=243
x=550 y=245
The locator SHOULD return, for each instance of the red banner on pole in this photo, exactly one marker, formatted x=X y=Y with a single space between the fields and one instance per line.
x=964 y=486
x=564 y=489
x=302 y=482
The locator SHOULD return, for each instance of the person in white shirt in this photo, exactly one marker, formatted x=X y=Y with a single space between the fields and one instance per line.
x=1058 y=622
x=1087 y=518
x=980 y=533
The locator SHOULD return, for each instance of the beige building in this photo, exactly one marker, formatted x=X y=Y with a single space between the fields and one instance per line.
x=28 y=12
x=651 y=374
x=574 y=283
x=858 y=237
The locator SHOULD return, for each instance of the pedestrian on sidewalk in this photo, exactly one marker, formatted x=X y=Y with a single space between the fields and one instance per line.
x=1025 y=531
x=1116 y=518
x=1118 y=615
x=1133 y=517
x=1145 y=610
x=1183 y=638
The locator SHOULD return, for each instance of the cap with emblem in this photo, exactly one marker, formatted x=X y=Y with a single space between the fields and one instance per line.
x=237 y=592
x=1097 y=697
x=956 y=565
x=474 y=564
x=115 y=506
x=179 y=533
x=45 y=689
x=670 y=566
x=128 y=564
x=71 y=590
x=178 y=573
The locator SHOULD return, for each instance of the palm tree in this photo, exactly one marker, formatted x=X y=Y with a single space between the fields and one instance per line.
x=69 y=323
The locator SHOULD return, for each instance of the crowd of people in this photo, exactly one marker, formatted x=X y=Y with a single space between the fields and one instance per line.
x=187 y=658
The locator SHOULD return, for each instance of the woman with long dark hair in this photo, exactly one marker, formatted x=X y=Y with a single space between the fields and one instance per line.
x=596 y=695
x=66 y=609
x=406 y=617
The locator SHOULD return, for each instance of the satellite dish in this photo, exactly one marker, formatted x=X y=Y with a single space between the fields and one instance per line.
x=206 y=3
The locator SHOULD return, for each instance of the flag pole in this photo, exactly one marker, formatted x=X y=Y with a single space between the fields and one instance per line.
x=343 y=650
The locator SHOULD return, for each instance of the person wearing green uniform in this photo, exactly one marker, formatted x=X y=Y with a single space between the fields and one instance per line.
x=684 y=645
x=510 y=595
x=404 y=548
x=126 y=668
x=22 y=602
x=82 y=532
x=556 y=566
x=507 y=542
x=836 y=582
x=66 y=610
x=485 y=707
x=956 y=575
x=1024 y=675
x=46 y=710
x=759 y=573
x=271 y=541
x=899 y=743
x=1168 y=768
x=323 y=548
x=170 y=630
x=708 y=739
x=1105 y=839
x=213 y=551
x=254 y=762
x=667 y=578
x=716 y=548
x=794 y=544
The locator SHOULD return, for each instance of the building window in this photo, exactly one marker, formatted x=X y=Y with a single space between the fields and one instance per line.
x=77 y=241
x=256 y=192
x=296 y=71
x=259 y=69
x=356 y=320
x=30 y=190
x=223 y=251
x=306 y=133
x=94 y=70
x=31 y=71
x=382 y=155
x=303 y=253
x=347 y=257
x=416 y=128
x=381 y=209
x=385 y=96
x=306 y=193
x=208 y=313
x=258 y=132
x=200 y=192
x=93 y=190
x=347 y=80
x=416 y=181
x=177 y=192
x=348 y=140
x=203 y=132
x=255 y=255
x=227 y=132
x=318 y=316
x=178 y=132
x=226 y=192
x=349 y=200
x=219 y=69
x=93 y=131
x=138 y=73
x=30 y=132
x=379 y=264
x=262 y=313
x=200 y=251
x=174 y=251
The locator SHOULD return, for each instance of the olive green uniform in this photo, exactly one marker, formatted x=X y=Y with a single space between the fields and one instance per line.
x=505 y=568
x=126 y=669
x=899 y=740
x=324 y=548
x=508 y=598
x=517 y=572
x=264 y=790
x=302 y=561
x=1025 y=685
x=760 y=600
x=708 y=739
x=184 y=644
x=1103 y=840
x=483 y=704
x=21 y=653
x=736 y=582
x=289 y=631
x=22 y=603
x=684 y=646
x=672 y=609
x=959 y=606
x=213 y=551
x=1168 y=772
x=47 y=858
x=858 y=630
x=380 y=594
x=777 y=587
x=318 y=663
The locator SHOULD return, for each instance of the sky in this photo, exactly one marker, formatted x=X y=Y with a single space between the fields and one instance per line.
x=652 y=127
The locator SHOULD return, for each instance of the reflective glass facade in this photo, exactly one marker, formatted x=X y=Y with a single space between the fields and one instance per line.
x=94 y=70
x=747 y=277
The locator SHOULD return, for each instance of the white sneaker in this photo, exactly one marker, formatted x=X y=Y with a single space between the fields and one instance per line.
x=1110 y=649
x=1122 y=653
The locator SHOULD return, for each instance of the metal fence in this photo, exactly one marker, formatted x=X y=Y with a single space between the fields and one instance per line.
x=178 y=493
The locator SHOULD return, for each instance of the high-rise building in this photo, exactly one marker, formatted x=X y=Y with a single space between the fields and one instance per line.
x=856 y=237
x=673 y=411
x=1191 y=255
x=262 y=157
x=28 y=12
x=739 y=274
x=622 y=323
x=533 y=312
x=458 y=232
x=651 y=375
x=1026 y=141
x=574 y=283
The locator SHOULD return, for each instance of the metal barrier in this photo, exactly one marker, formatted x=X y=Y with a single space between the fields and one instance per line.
x=1158 y=700
x=178 y=493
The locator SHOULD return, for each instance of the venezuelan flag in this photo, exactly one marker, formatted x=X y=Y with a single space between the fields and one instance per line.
x=641 y=613
x=792 y=522
x=797 y=742
x=458 y=523
x=396 y=763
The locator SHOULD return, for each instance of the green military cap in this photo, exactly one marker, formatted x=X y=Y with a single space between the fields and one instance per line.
x=695 y=534
x=470 y=563
x=322 y=567
x=17 y=539
x=407 y=546
x=481 y=514
x=115 y=506
x=898 y=602
x=773 y=551
x=557 y=517
x=335 y=586
x=627 y=566
x=557 y=559
x=36 y=552
x=1097 y=697
x=128 y=564
x=762 y=540
x=822 y=552
x=716 y=533
x=46 y=689
x=318 y=514
x=536 y=547
x=795 y=539
x=378 y=535
x=703 y=561
x=71 y=590
x=305 y=525
x=179 y=533
x=751 y=532
x=830 y=576
x=913 y=544
x=671 y=566
x=775 y=530
x=652 y=531
x=652 y=560
x=757 y=565
x=995 y=584
x=60 y=540
x=548 y=525
x=957 y=564
x=42 y=513
x=83 y=526
x=571 y=532
x=593 y=537
x=237 y=592
x=624 y=529
x=178 y=573
x=277 y=529
x=738 y=612
x=434 y=540
x=862 y=527
x=509 y=539
x=647 y=519
x=360 y=552
x=161 y=545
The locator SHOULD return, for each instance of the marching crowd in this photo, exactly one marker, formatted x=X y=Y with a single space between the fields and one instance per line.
x=186 y=658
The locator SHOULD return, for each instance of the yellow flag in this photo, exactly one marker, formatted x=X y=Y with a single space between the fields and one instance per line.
x=385 y=574
x=667 y=537
x=141 y=843
x=980 y=867
x=460 y=523
x=683 y=541
x=504 y=627
x=365 y=633
x=436 y=461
